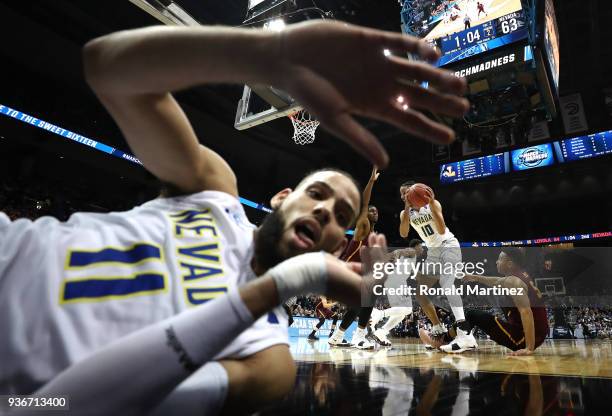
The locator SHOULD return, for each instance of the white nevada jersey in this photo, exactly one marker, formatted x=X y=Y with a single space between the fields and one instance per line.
x=422 y=221
x=69 y=288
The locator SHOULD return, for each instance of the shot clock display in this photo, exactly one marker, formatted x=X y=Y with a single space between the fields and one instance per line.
x=465 y=28
x=481 y=34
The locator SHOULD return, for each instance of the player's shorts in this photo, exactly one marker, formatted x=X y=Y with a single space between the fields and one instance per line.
x=322 y=312
x=443 y=261
x=504 y=332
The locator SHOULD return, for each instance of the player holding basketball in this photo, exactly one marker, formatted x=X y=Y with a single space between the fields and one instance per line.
x=323 y=311
x=524 y=326
x=444 y=253
x=100 y=277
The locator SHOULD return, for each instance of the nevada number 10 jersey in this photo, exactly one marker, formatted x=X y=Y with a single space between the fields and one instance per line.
x=423 y=222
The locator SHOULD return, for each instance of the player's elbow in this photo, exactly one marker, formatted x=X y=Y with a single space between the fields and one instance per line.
x=97 y=62
x=92 y=61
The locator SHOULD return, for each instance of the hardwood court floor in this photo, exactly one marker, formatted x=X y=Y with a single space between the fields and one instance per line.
x=563 y=377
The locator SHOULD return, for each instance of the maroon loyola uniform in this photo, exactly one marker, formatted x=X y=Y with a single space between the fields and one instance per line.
x=323 y=312
x=513 y=326
x=351 y=252
x=508 y=331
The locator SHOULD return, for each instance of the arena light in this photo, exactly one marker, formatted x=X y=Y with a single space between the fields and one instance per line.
x=276 y=25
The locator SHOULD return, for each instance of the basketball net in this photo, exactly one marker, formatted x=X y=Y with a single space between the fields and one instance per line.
x=304 y=127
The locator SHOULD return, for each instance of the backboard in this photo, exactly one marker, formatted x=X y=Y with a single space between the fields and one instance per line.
x=258 y=104
x=261 y=104
x=167 y=12
x=551 y=286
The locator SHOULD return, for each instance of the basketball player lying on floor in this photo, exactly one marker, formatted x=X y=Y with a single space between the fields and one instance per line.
x=524 y=326
x=99 y=277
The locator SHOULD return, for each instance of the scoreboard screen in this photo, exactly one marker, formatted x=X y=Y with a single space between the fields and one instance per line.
x=479 y=167
x=551 y=41
x=464 y=28
x=532 y=157
x=584 y=147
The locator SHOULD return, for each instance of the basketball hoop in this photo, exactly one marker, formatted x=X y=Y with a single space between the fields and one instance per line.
x=304 y=127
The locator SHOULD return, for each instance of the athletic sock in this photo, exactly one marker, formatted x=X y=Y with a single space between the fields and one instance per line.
x=458 y=313
x=391 y=323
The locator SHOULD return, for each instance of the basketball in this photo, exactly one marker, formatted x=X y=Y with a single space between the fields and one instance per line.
x=418 y=195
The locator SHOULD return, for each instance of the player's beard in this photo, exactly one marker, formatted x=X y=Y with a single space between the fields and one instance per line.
x=267 y=241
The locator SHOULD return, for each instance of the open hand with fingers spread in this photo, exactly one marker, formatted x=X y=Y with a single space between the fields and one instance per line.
x=338 y=71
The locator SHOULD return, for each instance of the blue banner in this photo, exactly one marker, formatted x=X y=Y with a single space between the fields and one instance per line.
x=302 y=327
x=537 y=241
x=52 y=128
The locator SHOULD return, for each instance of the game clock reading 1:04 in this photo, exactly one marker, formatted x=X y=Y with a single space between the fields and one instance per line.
x=482 y=33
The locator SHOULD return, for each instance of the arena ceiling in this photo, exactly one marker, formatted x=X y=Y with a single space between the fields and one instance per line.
x=42 y=75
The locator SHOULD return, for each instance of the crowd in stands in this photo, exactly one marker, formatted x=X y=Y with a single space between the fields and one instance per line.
x=26 y=193
x=34 y=196
x=594 y=322
x=581 y=322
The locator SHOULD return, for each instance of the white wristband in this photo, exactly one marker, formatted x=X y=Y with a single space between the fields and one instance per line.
x=299 y=275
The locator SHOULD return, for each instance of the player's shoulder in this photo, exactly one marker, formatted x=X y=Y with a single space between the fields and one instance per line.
x=206 y=197
x=514 y=281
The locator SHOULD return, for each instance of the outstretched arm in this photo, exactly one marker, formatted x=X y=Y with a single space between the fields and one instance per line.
x=485 y=280
x=133 y=73
x=157 y=358
x=362 y=227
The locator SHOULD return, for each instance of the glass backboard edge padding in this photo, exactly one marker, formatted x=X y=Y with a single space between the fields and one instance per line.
x=245 y=121
x=148 y=8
